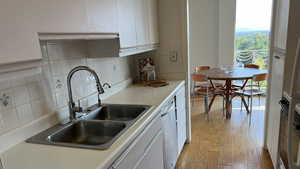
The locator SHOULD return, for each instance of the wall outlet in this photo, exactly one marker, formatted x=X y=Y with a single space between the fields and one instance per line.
x=173 y=56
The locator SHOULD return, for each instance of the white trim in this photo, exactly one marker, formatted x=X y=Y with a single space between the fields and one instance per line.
x=20 y=73
x=77 y=36
x=137 y=50
x=20 y=66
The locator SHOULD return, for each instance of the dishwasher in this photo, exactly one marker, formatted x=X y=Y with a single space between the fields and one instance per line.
x=168 y=117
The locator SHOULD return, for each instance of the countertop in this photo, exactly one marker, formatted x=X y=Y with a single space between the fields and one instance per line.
x=34 y=156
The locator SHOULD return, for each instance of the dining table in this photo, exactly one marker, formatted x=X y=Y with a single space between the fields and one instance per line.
x=230 y=74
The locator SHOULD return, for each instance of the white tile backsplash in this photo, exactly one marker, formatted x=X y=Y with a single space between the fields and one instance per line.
x=25 y=114
x=2 y=129
x=39 y=108
x=21 y=95
x=10 y=119
x=35 y=91
x=37 y=95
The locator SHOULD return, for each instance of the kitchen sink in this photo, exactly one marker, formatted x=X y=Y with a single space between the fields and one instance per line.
x=98 y=129
x=88 y=133
x=117 y=112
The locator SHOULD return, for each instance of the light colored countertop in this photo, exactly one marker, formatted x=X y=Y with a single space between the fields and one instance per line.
x=34 y=156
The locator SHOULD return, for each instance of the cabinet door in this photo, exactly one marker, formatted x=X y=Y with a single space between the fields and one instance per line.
x=181 y=118
x=127 y=26
x=142 y=22
x=153 y=22
x=138 y=147
x=19 y=41
x=153 y=157
x=274 y=109
x=59 y=16
x=102 y=15
x=281 y=24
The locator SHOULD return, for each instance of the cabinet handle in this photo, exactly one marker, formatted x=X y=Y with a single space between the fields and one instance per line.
x=164 y=114
x=277 y=57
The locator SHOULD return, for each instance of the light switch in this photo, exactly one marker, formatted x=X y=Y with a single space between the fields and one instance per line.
x=173 y=56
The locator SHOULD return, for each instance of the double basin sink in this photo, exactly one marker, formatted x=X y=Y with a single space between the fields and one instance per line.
x=99 y=128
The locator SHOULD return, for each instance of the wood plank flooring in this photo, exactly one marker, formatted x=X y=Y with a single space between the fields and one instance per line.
x=226 y=144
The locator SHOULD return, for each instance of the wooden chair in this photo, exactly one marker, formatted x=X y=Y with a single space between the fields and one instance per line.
x=250 y=92
x=239 y=84
x=202 y=87
x=253 y=66
x=199 y=68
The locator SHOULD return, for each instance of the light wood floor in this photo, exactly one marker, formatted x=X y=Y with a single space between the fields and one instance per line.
x=226 y=144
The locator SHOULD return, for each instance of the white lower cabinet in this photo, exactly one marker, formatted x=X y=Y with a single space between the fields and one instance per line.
x=147 y=145
x=153 y=157
x=161 y=142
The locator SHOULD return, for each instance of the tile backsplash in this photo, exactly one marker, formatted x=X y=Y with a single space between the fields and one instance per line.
x=26 y=102
x=33 y=96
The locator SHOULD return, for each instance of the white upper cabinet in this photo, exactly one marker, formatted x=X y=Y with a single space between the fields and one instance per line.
x=126 y=18
x=19 y=41
x=153 y=21
x=138 y=26
x=102 y=15
x=60 y=16
x=142 y=22
x=281 y=24
x=22 y=21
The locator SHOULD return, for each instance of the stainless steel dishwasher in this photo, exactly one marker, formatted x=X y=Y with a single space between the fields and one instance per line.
x=168 y=117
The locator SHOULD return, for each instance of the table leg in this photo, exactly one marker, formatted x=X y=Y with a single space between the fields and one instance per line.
x=228 y=107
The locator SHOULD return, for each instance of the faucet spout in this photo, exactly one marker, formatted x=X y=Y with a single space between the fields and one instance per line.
x=72 y=108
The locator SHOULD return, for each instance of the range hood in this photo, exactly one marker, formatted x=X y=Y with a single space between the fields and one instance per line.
x=77 y=36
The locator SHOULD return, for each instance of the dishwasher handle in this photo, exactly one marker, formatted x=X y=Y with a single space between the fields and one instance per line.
x=164 y=114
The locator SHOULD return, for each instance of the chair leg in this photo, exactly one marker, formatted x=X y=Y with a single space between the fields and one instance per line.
x=206 y=105
x=251 y=109
x=223 y=106
x=241 y=105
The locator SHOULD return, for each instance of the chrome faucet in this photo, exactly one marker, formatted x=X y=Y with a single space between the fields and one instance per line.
x=76 y=109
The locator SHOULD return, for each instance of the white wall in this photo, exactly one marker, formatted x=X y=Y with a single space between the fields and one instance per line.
x=227 y=12
x=212 y=27
x=204 y=32
x=172 y=23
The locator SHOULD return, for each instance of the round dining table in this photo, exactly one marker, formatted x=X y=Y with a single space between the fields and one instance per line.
x=229 y=74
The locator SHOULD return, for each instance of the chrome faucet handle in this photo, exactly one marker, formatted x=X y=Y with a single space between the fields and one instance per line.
x=106 y=84
x=78 y=109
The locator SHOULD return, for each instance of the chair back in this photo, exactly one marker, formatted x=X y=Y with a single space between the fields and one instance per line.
x=199 y=68
x=260 y=77
x=253 y=66
x=198 y=78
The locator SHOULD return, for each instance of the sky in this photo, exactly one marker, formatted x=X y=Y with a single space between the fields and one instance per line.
x=254 y=14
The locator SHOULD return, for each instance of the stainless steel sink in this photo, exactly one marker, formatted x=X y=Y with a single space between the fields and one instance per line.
x=99 y=129
x=117 y=112
x=88 y=133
